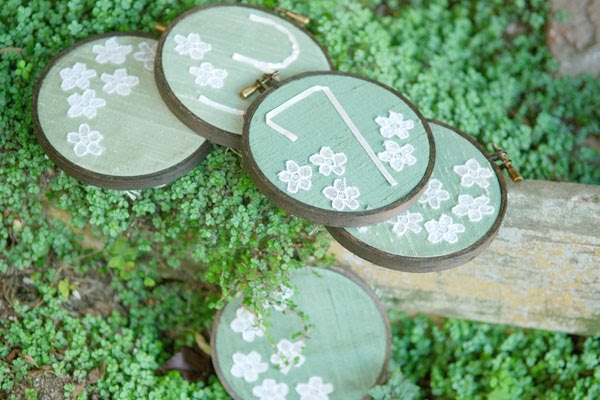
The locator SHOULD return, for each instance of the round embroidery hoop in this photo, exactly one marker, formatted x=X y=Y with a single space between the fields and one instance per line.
x=349 y=347
x=90 y=147
x=386 y=146
x=380 y=244
x=203 y=106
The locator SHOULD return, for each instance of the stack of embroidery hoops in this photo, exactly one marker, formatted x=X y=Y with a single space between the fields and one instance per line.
x=129 y=111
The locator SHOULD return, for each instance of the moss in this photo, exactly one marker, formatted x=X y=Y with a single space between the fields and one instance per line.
x=215 y=231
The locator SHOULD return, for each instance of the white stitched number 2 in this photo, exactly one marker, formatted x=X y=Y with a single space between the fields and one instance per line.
x=343 y=114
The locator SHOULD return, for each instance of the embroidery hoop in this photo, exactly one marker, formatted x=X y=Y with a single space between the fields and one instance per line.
x=320 y=215
x=345 y=273
x=195 y=123
x=437 y=263
x=106 y=181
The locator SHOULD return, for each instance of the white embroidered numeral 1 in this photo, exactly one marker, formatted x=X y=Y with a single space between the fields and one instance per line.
x=343 y=114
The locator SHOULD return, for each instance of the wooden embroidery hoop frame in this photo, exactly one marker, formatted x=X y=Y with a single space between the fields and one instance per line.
x=355 y=279
x=320 y=215
x=146 y=181
x=195 y=123
x=429 y=264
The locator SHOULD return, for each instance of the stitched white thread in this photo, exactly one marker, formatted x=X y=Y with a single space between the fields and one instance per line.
x=268 y=67
x=343 y=114
x=220 y=107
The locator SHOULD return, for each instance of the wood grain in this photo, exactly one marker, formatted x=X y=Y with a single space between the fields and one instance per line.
x=541 y=271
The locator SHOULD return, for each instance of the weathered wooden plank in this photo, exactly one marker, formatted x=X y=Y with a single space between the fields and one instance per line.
x=542 y=270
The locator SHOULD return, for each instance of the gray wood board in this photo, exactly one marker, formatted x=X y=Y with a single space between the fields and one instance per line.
x=541 y=271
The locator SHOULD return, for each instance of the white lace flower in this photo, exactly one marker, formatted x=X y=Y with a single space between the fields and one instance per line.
x=394 y=125
x=84 y=104
x=474 y=208
x=192 y=46
x=280 y=298
x=111 y=52
x=397 y=156
x=271 y=390
x=443 y=230
x=248 y=366
x=289 y=355
x=405 y=222
x=315 y=389
x=146 y=54
x=86 y=141
x=472 y=173
x=207 y=74
x=434 y=194
x=76 y=76
x=296 y=176
x=329 y=162
x=341 y=195
x=363 y=229
x=119 y=82
x=247 y=324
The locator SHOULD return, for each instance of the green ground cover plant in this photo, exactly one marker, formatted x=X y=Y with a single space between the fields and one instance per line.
x=98 y=290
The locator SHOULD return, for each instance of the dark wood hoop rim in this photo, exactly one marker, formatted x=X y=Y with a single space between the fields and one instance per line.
x=195 y=123
x=344 y=272
x=331 y=217
x=105 y=181
x=429 y=264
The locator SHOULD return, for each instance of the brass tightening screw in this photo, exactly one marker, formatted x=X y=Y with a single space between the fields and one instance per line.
x=258 y=86
x=501 y=155
x=295 y=17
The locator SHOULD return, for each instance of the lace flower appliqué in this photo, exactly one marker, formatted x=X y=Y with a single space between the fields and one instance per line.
x=86 y=141
x=111 y=52
x=472 y=173
x=271 y=390
x=84 y=104
x=207 y=74
x=394 y=125
x=434 y=194
x=405 y=222
x=443 y=230
x=248 y=366
x=247 y=324
x=289 y=355
x=76 y=76
x=341 y=195
x=329 y=162
x=474 y=208
x=192 y=46
x=280 y=298
x=119 y=82
x=296 y=177
x=397 y=156
x=315 y=389
x=146 y=54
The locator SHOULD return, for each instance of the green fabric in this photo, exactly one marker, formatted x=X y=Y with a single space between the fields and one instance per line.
x=452 y=149
x=317 y=123
x=347 y=346
x=228 y=30
x=141 y=135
